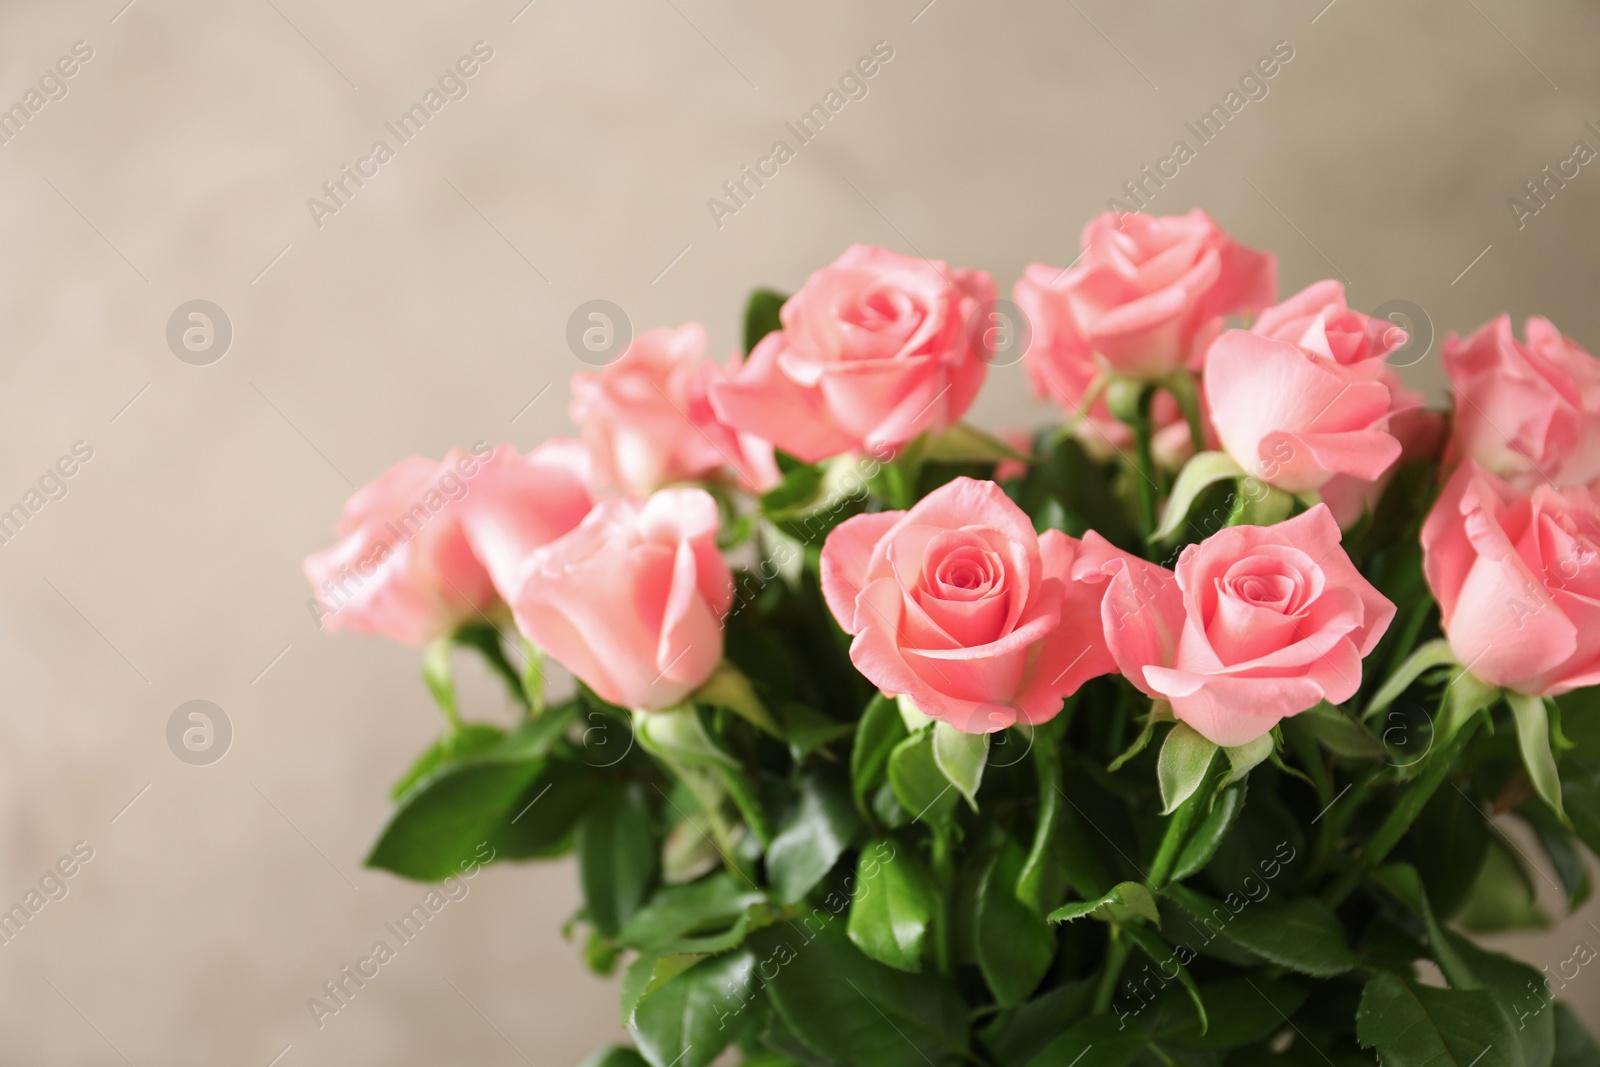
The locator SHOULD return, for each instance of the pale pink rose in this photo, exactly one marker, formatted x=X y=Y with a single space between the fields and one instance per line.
x=1144 y=289
x=1060 y=367
x=632 y=601
x=404 y=566
x=1421 y=435
x=1020 y=441
x=1258 y=623
x=875 y=350
x=1529 y=412
x=1305 y=395
x=1517 y=577
x=959 y=605
x=647 y=418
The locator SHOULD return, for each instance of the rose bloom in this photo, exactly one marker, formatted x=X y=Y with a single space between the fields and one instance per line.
x=1306 y=395
x=875 y=350
x=1529 y=412
x=1258 y=623
x=647 y=418
x=632 y=600
x=959 y=605
x=1421 y=436
x=404 y=565
x=1517 y=578
x=1145 y=288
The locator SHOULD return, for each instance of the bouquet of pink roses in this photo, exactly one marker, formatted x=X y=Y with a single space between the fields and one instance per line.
x=1180 y=732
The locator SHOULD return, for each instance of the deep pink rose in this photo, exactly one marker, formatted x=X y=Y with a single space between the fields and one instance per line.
x=1517 y=577
x=875 y=349
x=1529 y=412
x=632 y=600
x=1144 y=289
x=404 y=566
x=1257 y=624
x=1306 y=395
x=648 y=422
x=959 y=605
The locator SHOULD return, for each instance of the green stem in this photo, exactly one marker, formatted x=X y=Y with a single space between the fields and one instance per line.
x=1047 y=768
x=1116 y=957
x=1181 y=822
x=1146 y=488
x=1403 y=814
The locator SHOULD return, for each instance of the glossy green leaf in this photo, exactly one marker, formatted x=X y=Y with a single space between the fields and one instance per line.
x=1206 y=838
x=961 y=758
x=614 y=1057
x=445 y=817
x=1338 y=732
x=1185 y=758
x=471 y=739
x=1532 y=718
x=679 y=734
x=1303 y=935
x=1245 y=758
x=1502 y=897
x=1015 y=946
x=1202 y=471
x=1098 y=1041
x=542 y=821
x=892 y=906
x=1161 y=955
x=729 y=688
x=1418 y=1026
x=805 y=848
x=1126 y=901
x=617 y=856
x=918 y=784
x=1574 y=1046
x=675 y=913
x=685 y=1021
x=853 y=1010
x=1424 y=658
x=879 y=731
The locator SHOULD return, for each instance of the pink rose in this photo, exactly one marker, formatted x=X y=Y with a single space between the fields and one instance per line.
x=1517 y=578
x=404 y=565
x=647 y=418
x=1257 y=624
x=959 y=605
x=1528 y=412
x=1306 y=394
x=632 y=600
x=1143 y=290
x=874 y=350
x=1420 y=433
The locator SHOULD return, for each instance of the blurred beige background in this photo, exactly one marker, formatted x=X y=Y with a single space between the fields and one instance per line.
x=430 y=311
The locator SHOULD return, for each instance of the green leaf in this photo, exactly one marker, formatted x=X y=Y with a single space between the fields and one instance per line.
x=1418 y=1026
x=1561 y=845
x=1015 y=946
x=961 y=758
x=486 y=639
x=1513 y=985
x=1201 y=471
x=1241 y=1011
x=1185 y=758
x=729 y=688
x=1245 y=758
x=676 y=913
x=761 y=316
x=455 y=745
x=542 y=821
x=437 y=674
x=1017 y=1036
x=879 y=732
x=892 y=906
x=1338 y=732
x=679 y=734
x=1098 y=1041
x=1160 y=711
x=961 y=443
x=1303 y=935
x=1126 y=901
x=807 y=730
x=617 y=856
x=1435 y=653
x=1502 y=898
x=918 y=784
x=1447 y=844
x=1043 y=878
x=1574 y=1046
x=684 y=1022
x=853 y=1010
x=1533 y=738
x=650 y=972
x=805 y=849
x=1208 y=836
